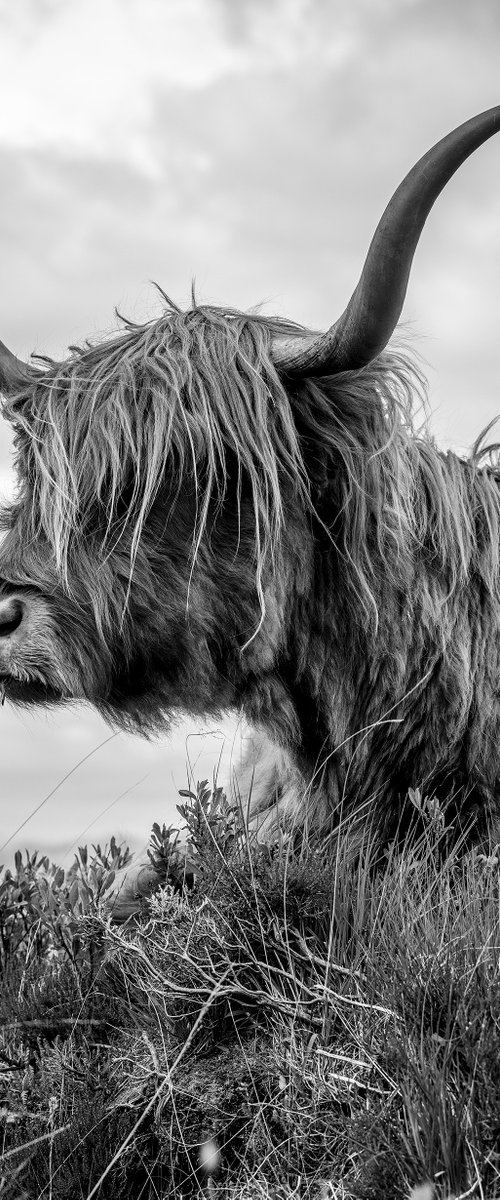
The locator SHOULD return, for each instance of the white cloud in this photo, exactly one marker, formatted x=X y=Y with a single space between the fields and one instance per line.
x=7 y=483
x=84 y=78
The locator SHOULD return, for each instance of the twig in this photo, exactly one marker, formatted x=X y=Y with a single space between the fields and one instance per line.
x=164 y=1083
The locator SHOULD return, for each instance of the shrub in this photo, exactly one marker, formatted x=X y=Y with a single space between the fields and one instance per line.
x=283 y=1022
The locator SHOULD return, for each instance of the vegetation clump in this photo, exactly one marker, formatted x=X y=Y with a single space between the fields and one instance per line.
x=279 y=1022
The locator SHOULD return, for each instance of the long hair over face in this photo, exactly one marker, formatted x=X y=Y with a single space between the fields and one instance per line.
x=100 y=435
x=193 y=395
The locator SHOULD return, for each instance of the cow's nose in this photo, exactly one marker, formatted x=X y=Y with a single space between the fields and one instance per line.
x=11 y=615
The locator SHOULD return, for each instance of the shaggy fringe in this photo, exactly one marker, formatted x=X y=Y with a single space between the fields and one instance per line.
x=174 y=395
x=101 y=433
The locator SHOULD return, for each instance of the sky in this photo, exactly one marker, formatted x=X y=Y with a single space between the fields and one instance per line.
x=251 y=145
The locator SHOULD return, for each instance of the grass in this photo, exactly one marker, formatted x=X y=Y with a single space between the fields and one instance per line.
x=278 y=1026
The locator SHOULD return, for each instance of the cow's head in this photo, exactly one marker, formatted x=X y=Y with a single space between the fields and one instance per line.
x=148 y=550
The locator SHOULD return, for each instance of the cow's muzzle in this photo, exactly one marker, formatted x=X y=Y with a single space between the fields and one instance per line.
x=11 y=615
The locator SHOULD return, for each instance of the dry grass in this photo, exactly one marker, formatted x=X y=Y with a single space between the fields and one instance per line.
x=283 y=1028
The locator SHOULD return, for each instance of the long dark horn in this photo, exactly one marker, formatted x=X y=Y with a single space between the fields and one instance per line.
x=13 y=371
x=375 y=306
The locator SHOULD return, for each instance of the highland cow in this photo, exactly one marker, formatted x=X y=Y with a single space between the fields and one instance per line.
x=219 y=511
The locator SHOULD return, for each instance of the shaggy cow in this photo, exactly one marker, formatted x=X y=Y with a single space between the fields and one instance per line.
x=225 y=511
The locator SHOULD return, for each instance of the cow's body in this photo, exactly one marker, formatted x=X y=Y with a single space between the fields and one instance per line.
x=226 y=511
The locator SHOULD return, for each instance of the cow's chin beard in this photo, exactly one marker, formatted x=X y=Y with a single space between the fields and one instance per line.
x=29 y=692
x=131 y=715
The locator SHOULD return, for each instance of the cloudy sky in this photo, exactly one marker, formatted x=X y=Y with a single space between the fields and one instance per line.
x=252 y=144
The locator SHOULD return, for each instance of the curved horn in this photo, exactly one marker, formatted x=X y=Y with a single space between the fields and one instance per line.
x=13 y=371
x=375 y=306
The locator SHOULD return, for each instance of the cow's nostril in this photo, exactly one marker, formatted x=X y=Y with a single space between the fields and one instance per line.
x=11 y=615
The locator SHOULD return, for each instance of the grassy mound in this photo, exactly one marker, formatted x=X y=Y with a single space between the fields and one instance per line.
x=285 y=1026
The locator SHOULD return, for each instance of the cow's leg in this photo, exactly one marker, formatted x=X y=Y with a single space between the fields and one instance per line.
x=269 y=789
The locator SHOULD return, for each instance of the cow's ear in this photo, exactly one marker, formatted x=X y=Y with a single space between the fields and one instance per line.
x=14 y=374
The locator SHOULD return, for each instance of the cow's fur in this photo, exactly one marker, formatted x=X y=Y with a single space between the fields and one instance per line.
x=195 y=533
